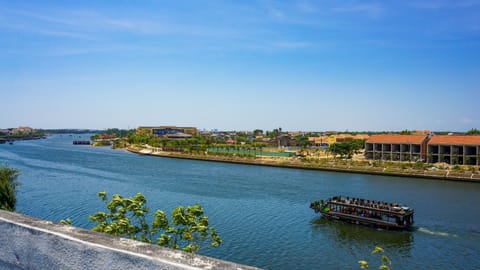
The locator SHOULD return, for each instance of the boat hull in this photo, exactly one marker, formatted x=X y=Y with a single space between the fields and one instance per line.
x=359 y=220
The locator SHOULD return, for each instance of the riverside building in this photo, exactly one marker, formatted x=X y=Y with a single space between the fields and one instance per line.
x=454 y=149
x=451 y=149
x=396 y=147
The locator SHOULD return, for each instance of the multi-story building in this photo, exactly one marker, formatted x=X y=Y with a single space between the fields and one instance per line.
x=396 y=147
x=321 y=141
x=168 y=130
x=451 y=149
x=454 y=149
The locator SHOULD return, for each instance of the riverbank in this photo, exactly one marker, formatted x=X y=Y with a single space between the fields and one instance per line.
x=333 y=166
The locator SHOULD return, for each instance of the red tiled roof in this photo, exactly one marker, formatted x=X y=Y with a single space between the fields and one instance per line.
x=455 y=139
x=393 y=138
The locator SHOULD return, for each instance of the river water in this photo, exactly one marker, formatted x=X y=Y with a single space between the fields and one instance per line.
x=262 y=213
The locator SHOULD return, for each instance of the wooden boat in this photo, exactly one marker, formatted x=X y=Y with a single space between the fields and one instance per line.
x=366 y=212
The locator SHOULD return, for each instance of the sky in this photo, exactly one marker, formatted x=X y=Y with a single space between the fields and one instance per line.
x=241 y=65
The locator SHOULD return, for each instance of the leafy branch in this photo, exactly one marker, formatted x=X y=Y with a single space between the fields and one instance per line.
x=126 y=217
x=386 y=263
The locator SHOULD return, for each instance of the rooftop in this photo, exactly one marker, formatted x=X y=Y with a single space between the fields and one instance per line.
x=395 y=138
x=455 y=139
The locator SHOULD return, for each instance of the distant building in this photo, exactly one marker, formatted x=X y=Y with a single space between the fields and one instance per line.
x=321 y=141
x=396 y=147
x=340 y=138
x=286 y=140
x=361 y=137
x=421 y=132
x=169 y=131
x=454 y=149
x=22 y=130
x=179 y=135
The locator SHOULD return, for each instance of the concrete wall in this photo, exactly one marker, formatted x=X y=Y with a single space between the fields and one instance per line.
x=28 y=243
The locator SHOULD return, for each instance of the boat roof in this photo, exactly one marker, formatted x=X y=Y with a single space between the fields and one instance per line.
x=382 y=206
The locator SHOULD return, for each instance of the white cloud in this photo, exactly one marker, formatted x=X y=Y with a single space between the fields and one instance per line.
x=307 y=7
x=292 y=44
x=467 y=121
x=371 y=10
x=440 y=4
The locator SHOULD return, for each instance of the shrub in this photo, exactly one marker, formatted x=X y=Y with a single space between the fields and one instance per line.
x=126 y=217
x=8 y=186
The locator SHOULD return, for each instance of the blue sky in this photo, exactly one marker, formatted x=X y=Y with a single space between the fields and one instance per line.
x=241 y=65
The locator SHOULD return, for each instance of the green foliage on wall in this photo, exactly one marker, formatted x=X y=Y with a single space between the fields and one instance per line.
x=187 y=230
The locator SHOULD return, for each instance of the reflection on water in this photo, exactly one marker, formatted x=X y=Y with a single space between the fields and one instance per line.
x=354 y=234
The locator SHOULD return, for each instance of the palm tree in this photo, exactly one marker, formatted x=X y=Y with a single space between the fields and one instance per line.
x=8 y=185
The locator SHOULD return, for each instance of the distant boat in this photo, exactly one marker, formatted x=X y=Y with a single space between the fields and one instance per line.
x=81 y=142
x=366 y=212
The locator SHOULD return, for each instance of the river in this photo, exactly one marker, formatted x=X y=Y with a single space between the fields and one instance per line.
x=262 y=213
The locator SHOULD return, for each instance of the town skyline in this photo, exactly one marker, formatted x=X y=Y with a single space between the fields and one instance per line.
x=299 y=65
x=25 y=129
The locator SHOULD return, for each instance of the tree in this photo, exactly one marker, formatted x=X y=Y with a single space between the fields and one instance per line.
x=126 y=217
x=8 y=185
x=473 y=131
x=303 y=141
x=257 y=132
x=346 y=148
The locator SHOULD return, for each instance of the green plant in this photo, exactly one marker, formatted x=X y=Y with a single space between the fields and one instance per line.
x=126 y=217
x=457 y=168
x=8 y=186
x=386 y=263
x=419 y=165
x=473 y=131
x=67 y=221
